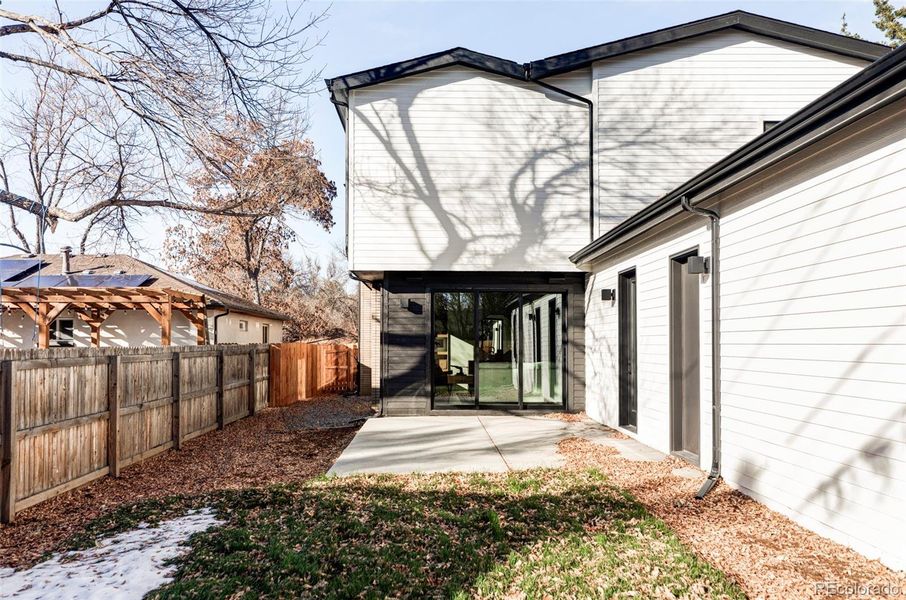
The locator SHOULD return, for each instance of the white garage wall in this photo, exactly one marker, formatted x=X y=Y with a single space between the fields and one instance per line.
x=813 y=340
x=228 y=331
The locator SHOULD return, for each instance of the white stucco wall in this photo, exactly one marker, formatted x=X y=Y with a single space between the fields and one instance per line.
x=123 y=328
x=137 y=328
x=228 y=331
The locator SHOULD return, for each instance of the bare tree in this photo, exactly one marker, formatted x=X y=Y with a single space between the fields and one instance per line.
x=273 y=179
x=319 y=303
x=159 y=75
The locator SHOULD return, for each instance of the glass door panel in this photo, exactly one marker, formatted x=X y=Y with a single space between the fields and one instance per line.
x=454 y=349
x=498 y=339
x=542 y=345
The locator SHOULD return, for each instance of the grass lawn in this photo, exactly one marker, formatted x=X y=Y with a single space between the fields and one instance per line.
x=533 y=534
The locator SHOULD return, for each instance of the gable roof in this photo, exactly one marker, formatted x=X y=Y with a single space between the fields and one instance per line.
x=739 y=20
x=736 y=20
x=887 y=76
x=339 y=86
x=116 y=264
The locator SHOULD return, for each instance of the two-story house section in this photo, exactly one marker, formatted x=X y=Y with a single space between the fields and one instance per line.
x=471 y=179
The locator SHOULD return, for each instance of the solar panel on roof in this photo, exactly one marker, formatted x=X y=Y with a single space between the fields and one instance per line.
x=11 y=269
x=78 y=280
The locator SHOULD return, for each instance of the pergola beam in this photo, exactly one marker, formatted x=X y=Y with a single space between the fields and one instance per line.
x=95 y=305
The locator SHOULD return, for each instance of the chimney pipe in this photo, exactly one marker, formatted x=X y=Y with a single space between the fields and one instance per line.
x=67 y=254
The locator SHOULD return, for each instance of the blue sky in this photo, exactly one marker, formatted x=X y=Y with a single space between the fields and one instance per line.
x=360 y=35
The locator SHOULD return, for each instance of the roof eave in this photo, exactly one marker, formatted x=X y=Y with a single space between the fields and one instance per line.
x=752 y=23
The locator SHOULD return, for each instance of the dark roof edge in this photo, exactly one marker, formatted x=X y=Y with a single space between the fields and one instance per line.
x=866 y=84
x=455 y=56
x=742 y=20
x=339 y=87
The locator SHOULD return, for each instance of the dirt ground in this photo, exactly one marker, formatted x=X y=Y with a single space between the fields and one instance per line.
x=278 y=445
x=767 y=554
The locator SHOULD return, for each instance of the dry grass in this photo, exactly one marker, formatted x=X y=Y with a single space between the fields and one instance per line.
x=767 y=554
x=278 y=445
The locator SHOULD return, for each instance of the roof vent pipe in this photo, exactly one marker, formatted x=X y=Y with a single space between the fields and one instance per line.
x=714 y=475
x=66 y=251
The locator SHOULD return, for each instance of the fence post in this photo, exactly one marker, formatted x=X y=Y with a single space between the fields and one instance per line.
x=176 y=392
x=253 y=380
x=220 y=389
x=8 y=463
x=113 y=418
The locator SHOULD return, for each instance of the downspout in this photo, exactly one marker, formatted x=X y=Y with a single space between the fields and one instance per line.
x=714 y=217
x=216 y=331
x=591 y=141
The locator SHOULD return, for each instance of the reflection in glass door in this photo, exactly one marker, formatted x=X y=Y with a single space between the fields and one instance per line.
x=454 y=349
x=497 y=348
x=498 y=338
x=542 y=360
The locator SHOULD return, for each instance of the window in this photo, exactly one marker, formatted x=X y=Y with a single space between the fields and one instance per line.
x=769 y=124
x=61 y=333
x=243 y=325
x=265 y=334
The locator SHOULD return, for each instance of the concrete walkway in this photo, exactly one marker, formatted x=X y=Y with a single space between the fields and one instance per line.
x=471 y=443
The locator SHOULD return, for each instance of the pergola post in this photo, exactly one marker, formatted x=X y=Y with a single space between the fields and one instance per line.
x=43 y=325
x=166 y=322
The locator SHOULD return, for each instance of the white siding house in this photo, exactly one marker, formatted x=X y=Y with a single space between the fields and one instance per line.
x=812 y=331
x=469 y=176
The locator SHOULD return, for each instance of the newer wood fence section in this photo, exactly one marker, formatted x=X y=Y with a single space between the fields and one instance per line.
x=300 y=371
x=70 y=416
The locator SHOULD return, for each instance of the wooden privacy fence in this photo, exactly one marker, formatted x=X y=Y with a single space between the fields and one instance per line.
x=72 y=415
x=300 y=370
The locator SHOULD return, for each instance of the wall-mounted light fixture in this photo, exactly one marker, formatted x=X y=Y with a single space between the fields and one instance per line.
x=696 y=265
x=608 y=295
x=404 y=303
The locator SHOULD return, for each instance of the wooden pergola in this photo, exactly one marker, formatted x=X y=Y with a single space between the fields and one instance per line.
x=94 y=305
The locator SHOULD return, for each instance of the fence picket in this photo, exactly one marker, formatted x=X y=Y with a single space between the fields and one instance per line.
x=71 y=415
x=300 y=371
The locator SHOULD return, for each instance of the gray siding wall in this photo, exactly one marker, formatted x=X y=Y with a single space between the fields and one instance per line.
x=406 y=337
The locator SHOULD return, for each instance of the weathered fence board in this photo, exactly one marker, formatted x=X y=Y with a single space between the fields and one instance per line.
x=299 y=371
x=71 y=415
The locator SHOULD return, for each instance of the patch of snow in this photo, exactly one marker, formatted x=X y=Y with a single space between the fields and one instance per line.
x=125 y=566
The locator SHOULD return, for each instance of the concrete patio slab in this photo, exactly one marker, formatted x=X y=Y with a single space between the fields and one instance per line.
x=470 y=444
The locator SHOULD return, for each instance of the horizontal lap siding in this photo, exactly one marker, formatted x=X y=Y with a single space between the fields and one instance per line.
x=406 y=388
x=651 y=260
x=814 y=340
x=458 y=169
x=667 y=113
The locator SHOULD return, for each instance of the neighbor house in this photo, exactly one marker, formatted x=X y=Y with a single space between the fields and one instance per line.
x=549 y=235
x=88 y=300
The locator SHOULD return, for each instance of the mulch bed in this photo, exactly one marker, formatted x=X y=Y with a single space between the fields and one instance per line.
x=278 y=445
x=767 y=554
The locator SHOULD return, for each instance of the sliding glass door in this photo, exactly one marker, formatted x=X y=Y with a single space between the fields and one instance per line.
x=542 y=364
x=498 y=338
x=498 y=348
x=454 y=349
